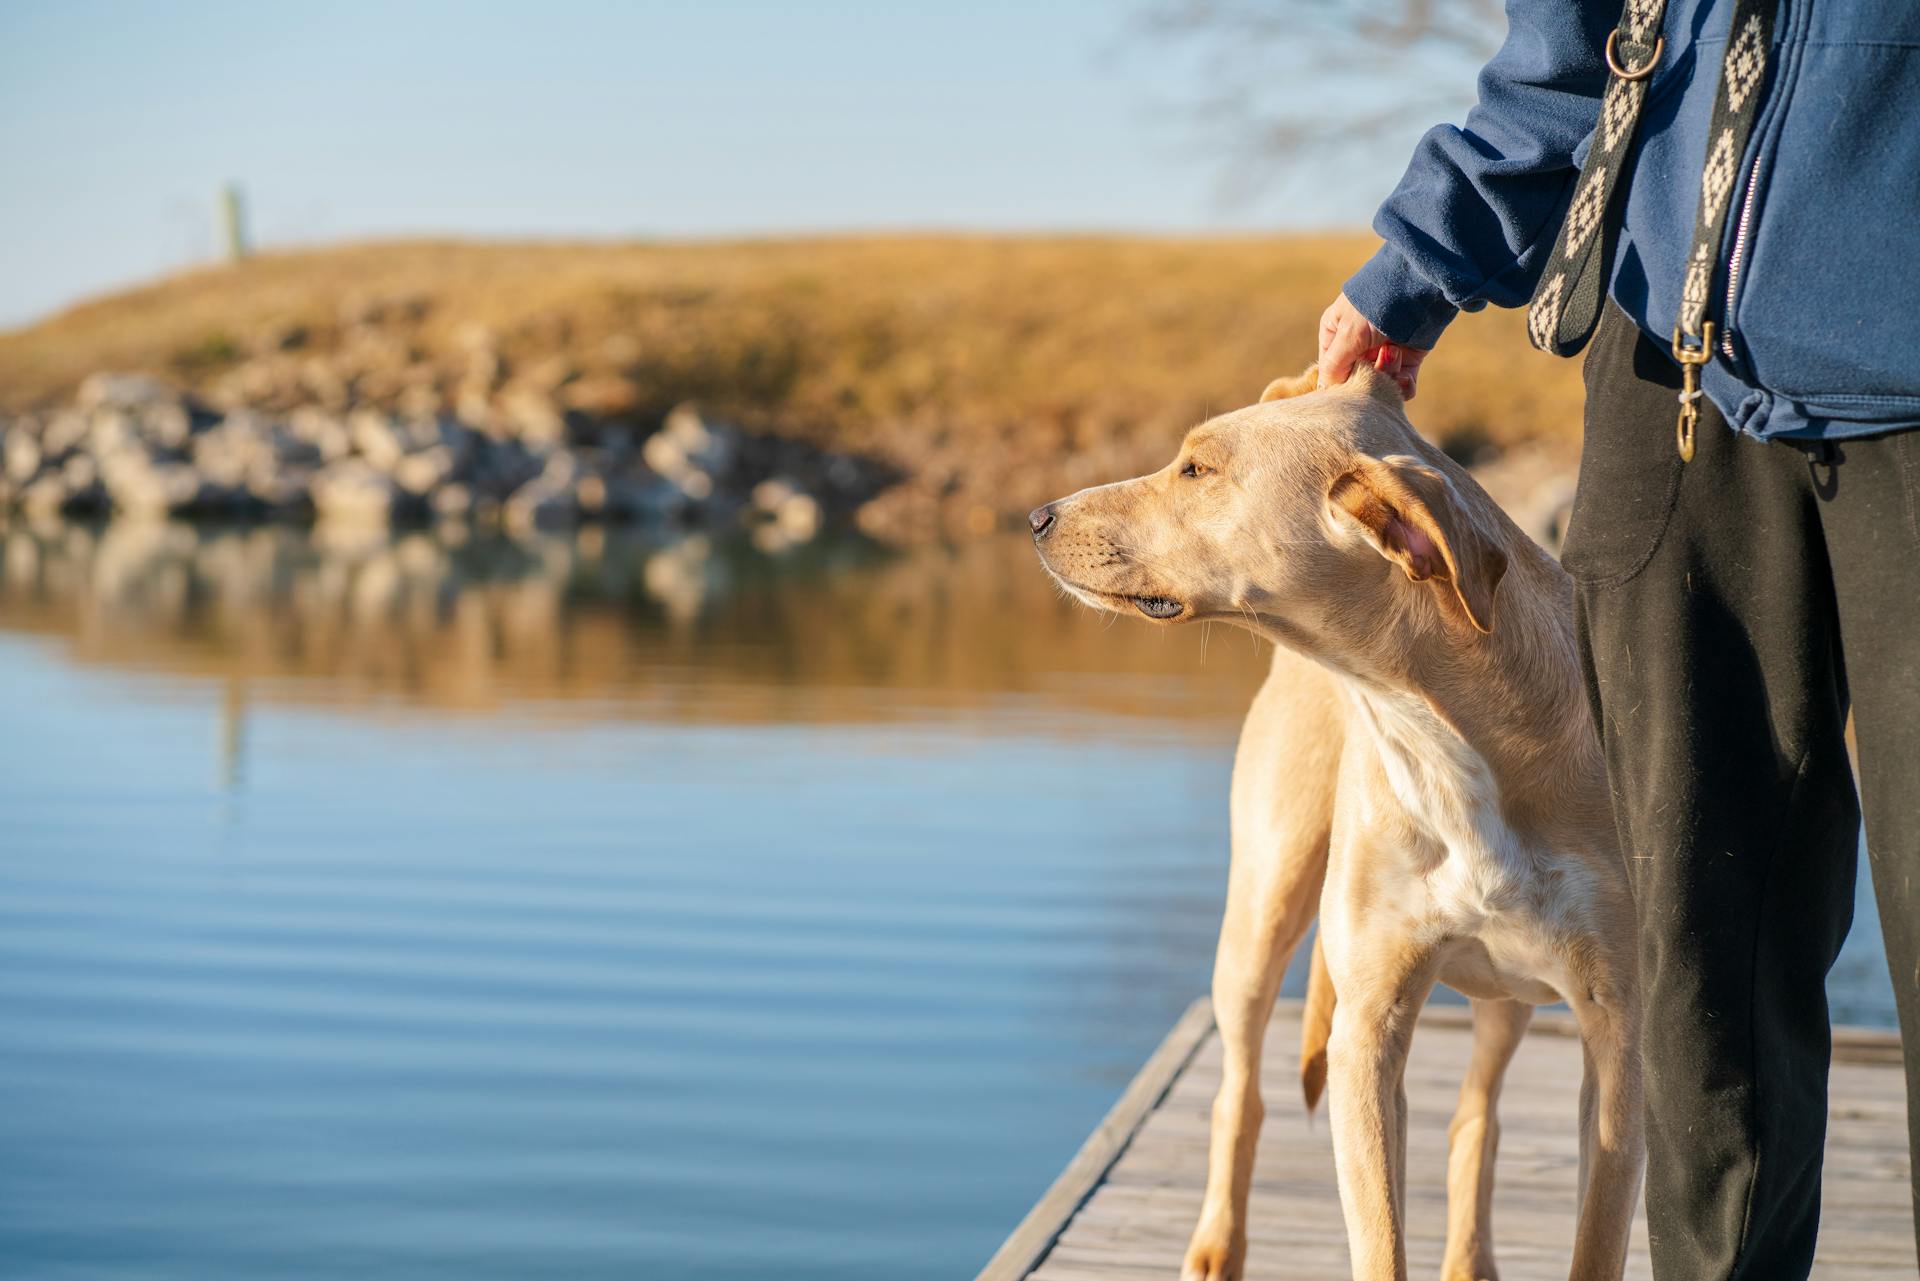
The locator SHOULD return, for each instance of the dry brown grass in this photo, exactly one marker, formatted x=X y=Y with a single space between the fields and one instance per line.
x=995 y=371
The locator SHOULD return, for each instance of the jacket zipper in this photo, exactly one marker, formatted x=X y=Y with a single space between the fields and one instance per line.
x=1738 y=256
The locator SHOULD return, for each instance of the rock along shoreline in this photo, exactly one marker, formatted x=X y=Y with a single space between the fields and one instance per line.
x=132 y=445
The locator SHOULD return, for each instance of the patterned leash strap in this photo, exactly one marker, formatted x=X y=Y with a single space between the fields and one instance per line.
x=1566 y=306
x=1736 y=105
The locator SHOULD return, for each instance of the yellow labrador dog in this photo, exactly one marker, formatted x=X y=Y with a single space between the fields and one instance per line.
x=1420 y=769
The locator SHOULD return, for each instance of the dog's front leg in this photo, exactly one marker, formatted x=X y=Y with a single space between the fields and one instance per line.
x=1612 y=1131
x=1270 y=903
x=1366 y=1060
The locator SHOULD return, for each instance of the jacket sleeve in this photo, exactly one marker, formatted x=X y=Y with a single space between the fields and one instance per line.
x=1474 y=218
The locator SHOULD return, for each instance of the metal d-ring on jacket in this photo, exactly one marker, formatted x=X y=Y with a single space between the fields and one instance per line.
x=1816 y=295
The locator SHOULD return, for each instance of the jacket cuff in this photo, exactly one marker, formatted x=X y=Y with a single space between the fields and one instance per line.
x=1401 y=303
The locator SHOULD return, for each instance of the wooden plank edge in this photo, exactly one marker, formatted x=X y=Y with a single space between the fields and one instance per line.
x=1029 y=1243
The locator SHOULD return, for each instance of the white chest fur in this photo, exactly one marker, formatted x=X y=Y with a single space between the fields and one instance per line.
x=1499 y=909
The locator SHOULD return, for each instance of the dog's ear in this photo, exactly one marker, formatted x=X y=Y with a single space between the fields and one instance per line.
x=1382 y=387
x=1297 y=385
x=1412 y=514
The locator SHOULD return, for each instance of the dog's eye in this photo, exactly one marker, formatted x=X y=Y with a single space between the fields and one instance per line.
x=1196 y=469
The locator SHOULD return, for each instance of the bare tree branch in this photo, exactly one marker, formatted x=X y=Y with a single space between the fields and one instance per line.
x=1283 y=80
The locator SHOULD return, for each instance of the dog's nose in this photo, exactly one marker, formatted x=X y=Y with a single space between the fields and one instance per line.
x=1040 y=520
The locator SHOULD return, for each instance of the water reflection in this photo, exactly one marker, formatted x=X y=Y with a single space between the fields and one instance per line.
x=603 y=623
x=588 y=906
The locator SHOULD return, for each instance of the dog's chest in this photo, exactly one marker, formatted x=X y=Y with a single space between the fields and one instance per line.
x=1503 y=922
x=1438 y=799
x=1500 y=908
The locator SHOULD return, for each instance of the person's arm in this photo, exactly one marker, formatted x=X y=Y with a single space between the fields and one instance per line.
x=1474 y=218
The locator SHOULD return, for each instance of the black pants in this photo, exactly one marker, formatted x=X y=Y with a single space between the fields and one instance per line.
x=1730 y=611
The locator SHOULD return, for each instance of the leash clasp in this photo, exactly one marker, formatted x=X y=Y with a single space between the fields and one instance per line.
x=1690 y=358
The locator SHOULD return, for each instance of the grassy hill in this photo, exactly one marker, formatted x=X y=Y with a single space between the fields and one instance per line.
x=992 y=372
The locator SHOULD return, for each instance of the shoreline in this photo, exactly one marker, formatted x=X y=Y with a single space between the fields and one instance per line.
x=951 y=382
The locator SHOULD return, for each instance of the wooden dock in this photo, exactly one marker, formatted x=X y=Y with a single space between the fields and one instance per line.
x=1122 y=1209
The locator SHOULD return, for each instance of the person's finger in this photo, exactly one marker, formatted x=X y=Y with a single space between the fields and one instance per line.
x=1337 y=365
x=1347 y=344
x=1329 y=332
x=1397 y=363
x=1408 y=375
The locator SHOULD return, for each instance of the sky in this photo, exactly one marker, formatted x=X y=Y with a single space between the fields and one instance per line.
x=339 y=121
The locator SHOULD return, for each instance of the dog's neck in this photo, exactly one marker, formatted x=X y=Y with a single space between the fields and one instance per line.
x=1466 y=722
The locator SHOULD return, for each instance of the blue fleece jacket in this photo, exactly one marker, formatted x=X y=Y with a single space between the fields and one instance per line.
x=1820 y=274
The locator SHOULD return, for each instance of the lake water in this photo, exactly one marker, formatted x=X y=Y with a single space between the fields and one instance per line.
x=587 y=907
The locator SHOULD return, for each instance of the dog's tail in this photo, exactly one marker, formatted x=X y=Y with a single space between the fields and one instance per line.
x=1316 y=1025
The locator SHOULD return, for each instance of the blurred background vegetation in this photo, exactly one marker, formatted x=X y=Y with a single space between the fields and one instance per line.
x=987 y=374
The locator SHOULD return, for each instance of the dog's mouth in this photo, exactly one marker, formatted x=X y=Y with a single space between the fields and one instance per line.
x=1160 y=607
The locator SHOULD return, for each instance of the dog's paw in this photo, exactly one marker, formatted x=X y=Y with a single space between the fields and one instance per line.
x=1213 y=1257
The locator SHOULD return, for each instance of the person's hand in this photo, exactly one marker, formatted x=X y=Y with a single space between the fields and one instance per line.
x=1347 y=337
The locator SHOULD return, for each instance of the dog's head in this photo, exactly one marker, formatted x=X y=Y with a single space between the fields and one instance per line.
x=1305 y=517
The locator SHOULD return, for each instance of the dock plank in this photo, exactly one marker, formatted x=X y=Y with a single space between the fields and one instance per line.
x=1124 y=1207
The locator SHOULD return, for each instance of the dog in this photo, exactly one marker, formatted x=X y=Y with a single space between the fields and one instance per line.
x=1420 y=770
